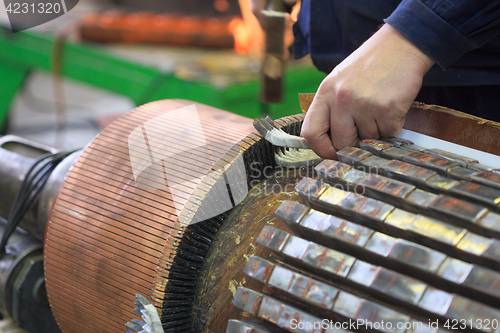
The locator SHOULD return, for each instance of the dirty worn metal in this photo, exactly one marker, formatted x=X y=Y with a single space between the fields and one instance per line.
x=488 y=178
x=309 y=290
x=441 y=165
x=422 y=177
x=376 y=280
x=407 y=196
x=451 y=239
x=239 y=326
x=381 y=147
x=317 y=293
x=458 y=166
x=429 y=265
x=459 y=159
x=273 y=310
x=397 y=142
x=108 y=240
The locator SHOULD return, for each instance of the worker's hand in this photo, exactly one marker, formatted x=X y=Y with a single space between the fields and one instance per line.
x=367 y=95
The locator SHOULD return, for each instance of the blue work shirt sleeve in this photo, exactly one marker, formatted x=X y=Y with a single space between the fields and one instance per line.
x=447 y=29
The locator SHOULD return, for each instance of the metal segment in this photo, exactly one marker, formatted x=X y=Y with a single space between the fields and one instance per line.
x=477 y=192
x=366 y=313
x=459 y=159
x=274 y=311
x=408 y=172
x=458 y=166
x=429 y=161
x=352 y=155
x=491 y=221
x=461 y=173
x=458 y=209
x=310 y=290
x=374 y=145
x=376 y=280
x=455 y=240
x=489 y=178
x=241 y=326
x=422 y=177
x=424 y=252
x=413 y=147
x=397 y=142
x=421 y=198
x=398 y=254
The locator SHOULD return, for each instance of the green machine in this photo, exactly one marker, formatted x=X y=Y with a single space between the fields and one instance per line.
x=26 y=51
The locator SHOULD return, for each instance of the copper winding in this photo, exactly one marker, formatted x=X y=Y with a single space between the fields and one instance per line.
x=108 y=239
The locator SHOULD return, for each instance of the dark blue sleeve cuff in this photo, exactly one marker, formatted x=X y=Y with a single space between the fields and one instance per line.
x=429 y=32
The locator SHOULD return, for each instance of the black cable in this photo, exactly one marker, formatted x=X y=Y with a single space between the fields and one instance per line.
x=28 y=195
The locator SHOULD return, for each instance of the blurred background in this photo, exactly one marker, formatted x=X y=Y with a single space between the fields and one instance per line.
x=65 y=80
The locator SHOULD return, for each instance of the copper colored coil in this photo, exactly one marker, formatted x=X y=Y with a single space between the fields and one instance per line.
x=107 y=239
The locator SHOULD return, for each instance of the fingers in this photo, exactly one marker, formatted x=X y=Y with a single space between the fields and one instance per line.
x=367 y=127
x=385 y=122
x=343 y=129
x=391 y=127
x=315 y=129
x=346 y=124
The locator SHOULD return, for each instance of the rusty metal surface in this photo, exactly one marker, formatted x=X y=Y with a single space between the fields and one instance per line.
x=381 y=216
x=477 y=282
x=347 y=256
x=369 y=248
x=377 y=281
x=223 y=268
x=424 y=174
x=239 y=326
x=407 y=196
x=444 y=162
x=107 y=239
